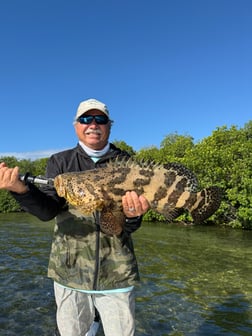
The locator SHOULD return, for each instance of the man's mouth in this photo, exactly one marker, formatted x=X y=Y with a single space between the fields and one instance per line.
x=91 y=131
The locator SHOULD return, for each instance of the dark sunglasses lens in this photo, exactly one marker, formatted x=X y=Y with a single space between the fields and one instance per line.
x=85 y=120
x=99 y=119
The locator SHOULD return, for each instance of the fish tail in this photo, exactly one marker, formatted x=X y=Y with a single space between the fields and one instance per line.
x=207 y=202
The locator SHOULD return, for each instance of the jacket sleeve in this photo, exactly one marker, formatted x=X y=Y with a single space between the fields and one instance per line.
x=132 y=224
x=43 y=202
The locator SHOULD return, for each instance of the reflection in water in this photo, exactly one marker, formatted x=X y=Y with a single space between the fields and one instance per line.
x=195 y=280
x=198 y=281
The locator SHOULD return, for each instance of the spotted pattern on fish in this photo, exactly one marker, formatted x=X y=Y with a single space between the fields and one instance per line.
x=112 y=221
x=168 y=188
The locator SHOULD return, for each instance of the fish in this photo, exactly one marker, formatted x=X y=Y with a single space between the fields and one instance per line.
x=169 y=188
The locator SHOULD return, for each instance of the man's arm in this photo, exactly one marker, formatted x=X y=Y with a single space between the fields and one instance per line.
x=43 y=204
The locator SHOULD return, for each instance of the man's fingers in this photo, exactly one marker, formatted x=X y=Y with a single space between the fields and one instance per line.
x=145 y=204
x=134 y=205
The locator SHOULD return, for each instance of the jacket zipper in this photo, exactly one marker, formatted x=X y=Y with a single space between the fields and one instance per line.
x=97 y=249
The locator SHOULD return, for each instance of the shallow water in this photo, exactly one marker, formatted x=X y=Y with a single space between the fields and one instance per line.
x=194 y=280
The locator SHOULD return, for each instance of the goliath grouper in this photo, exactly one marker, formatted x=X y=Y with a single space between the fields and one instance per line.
x=169 y=188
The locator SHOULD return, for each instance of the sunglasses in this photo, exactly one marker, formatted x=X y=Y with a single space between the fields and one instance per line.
x=88 y=119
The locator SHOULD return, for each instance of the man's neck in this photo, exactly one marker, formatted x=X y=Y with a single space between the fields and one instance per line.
x=94 y=152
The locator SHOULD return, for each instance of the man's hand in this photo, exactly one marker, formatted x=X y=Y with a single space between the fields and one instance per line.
x=9 y=179
x=134 y=205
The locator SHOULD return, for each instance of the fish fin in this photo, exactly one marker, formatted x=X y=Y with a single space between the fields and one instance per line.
x=182 y=171
x=112 y=221
x=171 y=214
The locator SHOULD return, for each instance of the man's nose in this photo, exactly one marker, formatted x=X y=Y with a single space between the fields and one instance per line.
x=93 y=123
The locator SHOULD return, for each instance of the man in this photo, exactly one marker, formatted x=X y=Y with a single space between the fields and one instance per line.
x=92 y=271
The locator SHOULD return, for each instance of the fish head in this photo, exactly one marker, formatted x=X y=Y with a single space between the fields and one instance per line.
x=79 y=193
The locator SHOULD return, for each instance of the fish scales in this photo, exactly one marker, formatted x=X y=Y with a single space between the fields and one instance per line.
x=168 y=188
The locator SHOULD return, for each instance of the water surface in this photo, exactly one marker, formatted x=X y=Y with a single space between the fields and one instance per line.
x=195 y=280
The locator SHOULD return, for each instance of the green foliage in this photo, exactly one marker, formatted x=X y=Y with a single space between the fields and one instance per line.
x=150 y=154
x=123 y=146
x=174 y=147
x=39 y=167
x=152 y=216
x=7 y=202
x=223 y=159
x=11 y=161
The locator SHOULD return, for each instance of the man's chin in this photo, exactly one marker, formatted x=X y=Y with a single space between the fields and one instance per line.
x=93 y=139
x=95 y=144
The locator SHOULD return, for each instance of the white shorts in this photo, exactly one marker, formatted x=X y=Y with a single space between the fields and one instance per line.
x=76 y=312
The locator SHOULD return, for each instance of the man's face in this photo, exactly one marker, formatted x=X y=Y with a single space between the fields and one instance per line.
x=94 y=136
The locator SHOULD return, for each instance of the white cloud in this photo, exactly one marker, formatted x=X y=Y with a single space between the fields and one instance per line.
x=31 y=155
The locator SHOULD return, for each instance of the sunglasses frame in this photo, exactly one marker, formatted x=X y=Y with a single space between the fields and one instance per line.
x=88 y=119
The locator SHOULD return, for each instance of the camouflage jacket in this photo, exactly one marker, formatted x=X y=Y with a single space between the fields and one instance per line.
x=81 y=256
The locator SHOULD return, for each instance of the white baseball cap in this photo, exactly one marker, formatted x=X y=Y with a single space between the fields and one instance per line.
x=91 y=104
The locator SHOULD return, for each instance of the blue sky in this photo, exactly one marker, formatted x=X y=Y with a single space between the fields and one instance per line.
x=161 y=66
